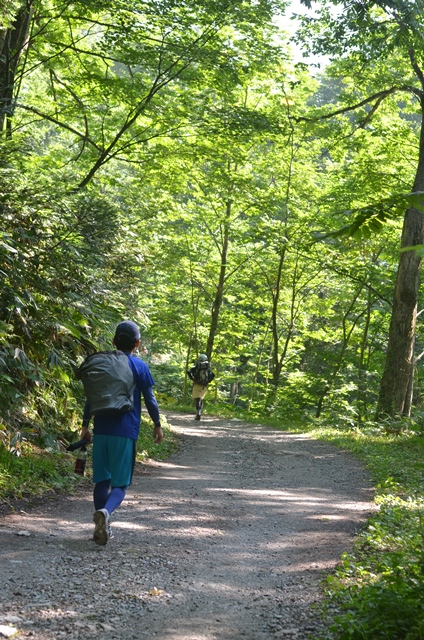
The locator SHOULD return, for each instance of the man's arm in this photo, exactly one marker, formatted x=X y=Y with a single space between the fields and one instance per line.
x=86 y=416
x=153 y=409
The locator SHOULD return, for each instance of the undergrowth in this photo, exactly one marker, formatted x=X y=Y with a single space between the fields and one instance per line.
x=147 y=448
x=34 y=473
x=379 y=587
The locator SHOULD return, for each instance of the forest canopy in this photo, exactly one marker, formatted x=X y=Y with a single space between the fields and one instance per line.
x=171 y=163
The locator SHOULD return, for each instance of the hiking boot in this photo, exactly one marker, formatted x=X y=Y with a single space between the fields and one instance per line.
x=101 y=529
x=197 y=417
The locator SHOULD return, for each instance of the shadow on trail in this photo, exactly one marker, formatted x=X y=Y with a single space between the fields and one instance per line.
x=226 y=540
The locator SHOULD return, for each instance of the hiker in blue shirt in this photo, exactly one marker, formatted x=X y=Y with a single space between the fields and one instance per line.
x=115 y=436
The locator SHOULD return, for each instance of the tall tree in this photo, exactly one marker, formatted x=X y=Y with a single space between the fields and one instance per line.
x=382 y=43
x=13 y=42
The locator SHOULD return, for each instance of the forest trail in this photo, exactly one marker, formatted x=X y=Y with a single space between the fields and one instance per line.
x=226 y=540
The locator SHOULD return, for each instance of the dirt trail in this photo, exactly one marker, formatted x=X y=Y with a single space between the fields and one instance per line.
x=226 y=540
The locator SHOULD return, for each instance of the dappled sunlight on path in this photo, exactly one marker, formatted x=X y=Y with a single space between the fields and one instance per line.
x=226 y=540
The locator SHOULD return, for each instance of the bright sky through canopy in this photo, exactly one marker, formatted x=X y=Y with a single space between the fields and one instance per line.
x=290 y=25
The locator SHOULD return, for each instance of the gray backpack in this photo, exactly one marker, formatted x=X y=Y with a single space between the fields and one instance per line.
x=201 y=374
x=108 y=382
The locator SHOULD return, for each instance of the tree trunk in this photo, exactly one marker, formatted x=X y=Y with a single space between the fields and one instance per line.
x=393 y=398
x=410 y=389
x=362 y=387
x=258 y=364
x=217 y=303
x=276 y=367
x=187 y=365
x=12 y=43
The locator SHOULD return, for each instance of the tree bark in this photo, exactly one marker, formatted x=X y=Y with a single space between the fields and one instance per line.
x=362 y=388
x=393 y=398
x=276 y=367
x=12 y=43
x=217 y=303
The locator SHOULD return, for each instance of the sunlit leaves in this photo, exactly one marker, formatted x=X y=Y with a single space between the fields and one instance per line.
x=117 y=77
x=369 y=220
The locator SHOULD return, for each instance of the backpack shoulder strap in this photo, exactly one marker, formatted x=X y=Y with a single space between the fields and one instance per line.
x=134 y=370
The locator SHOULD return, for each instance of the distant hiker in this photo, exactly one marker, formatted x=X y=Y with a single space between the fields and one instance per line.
x=115 y=434
x=201 y=375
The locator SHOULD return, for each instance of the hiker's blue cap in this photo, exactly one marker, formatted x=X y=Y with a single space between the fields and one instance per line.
x=128 y=328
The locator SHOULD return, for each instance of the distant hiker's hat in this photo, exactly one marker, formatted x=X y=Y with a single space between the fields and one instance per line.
x=129 y=330
x=203 y=357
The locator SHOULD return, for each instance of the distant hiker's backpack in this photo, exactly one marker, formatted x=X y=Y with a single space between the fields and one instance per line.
x=201 y=374
x=108 y=382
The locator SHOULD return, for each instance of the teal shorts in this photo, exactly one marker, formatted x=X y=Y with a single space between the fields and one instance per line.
x=113 y=459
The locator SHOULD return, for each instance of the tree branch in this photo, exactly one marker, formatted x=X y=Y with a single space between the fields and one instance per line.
x=415 y=66
x=378 y=97
x=173 y=71
x=59 y=123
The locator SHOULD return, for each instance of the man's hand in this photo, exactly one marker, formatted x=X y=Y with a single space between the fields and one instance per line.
x=157 y=434
x=86 y=435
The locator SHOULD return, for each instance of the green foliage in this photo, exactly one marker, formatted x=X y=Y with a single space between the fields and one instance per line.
x=147 y=448
x=174 y=174
x=35 y=472
x=169 y=163
x=371 y=219
x=52 y=301
x=8 y=11
x=380 y=589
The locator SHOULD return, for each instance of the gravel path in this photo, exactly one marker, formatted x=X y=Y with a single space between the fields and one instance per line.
x=226 y=540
